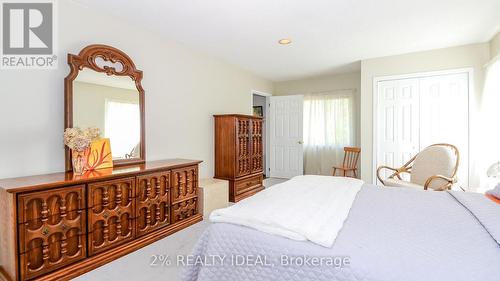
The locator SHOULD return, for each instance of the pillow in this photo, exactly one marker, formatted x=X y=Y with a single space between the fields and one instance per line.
x=493 y=198
x=495 y=192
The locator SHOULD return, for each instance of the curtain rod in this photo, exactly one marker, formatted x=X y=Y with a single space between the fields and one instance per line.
x=332 y=91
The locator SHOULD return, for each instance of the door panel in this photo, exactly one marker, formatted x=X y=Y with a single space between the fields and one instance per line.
x=398 y=122
x=286 y=150
x=445 y=116
x=257 y=147
x=415 y=113
x=243 y=153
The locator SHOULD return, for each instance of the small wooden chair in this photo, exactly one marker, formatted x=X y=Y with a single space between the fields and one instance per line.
x=350 y=164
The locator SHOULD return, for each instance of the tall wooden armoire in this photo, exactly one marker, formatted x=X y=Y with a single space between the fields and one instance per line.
x=238 y=154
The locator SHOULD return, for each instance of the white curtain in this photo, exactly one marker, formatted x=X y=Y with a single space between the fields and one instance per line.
x=122 y=127
x=328 y=127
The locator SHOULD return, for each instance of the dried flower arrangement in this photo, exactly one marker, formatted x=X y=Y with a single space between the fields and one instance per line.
x=80 y=139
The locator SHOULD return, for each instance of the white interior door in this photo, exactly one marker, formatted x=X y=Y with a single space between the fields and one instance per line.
x=398 y=122
x=445 y=116
x=285 y=136
x=413 y=113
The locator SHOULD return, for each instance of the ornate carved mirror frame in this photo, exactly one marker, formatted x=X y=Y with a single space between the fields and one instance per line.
x=87 y=59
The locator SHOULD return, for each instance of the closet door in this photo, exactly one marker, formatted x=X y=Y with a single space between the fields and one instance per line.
x=397 y=122
x=444 y=115
x=415 y=113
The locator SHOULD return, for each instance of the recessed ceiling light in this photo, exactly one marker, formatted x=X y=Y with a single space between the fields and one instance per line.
x=285 y=41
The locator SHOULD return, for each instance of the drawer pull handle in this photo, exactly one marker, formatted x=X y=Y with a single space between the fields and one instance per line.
x=64 y=227
x=45 y=231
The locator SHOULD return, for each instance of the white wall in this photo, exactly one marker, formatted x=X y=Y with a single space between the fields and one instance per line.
x=183 y=89
x=319 y=84
x=474 y=56
x=495 y=45
x=89 y=103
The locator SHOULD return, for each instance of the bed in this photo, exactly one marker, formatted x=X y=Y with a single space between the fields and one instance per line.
x=389 y=234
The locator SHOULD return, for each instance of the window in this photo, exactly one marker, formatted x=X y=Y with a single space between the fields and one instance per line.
x=122 y=127
x=328 y=127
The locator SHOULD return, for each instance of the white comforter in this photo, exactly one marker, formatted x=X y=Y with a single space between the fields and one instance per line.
x=304 y=208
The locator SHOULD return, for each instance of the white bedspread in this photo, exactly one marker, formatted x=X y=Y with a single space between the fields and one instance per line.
x=304 y=208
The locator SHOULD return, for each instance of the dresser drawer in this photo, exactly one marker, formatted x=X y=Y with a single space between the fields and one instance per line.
x=247 y=184
x=50 y=204
x=57 y=250
x=152 y=202
x=111 y=213
x=184 y=183
x=184 y=209
x=51 y=230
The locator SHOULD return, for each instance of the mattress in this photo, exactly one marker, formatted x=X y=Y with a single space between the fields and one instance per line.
x=389 y=234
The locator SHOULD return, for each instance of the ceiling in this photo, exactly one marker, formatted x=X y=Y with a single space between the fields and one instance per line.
x=329 y=36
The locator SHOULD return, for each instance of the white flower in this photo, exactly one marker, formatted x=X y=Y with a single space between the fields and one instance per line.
x=78 y=139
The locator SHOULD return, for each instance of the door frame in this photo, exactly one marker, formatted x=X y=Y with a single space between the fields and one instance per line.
x=266 y=122
x=377 y=79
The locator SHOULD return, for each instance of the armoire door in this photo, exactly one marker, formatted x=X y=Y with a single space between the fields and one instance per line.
x=257 y=157
x=243 y=149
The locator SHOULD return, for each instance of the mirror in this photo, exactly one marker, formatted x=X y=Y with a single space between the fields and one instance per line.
x=110 y=103
x=103 y=91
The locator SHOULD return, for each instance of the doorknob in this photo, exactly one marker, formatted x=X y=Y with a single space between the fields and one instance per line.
x=300 y=142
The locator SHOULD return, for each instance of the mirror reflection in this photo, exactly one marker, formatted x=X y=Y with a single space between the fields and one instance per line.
x=110 y=103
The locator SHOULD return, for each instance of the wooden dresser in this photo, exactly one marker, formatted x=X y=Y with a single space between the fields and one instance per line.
x=238 y=154
x=58 y=226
